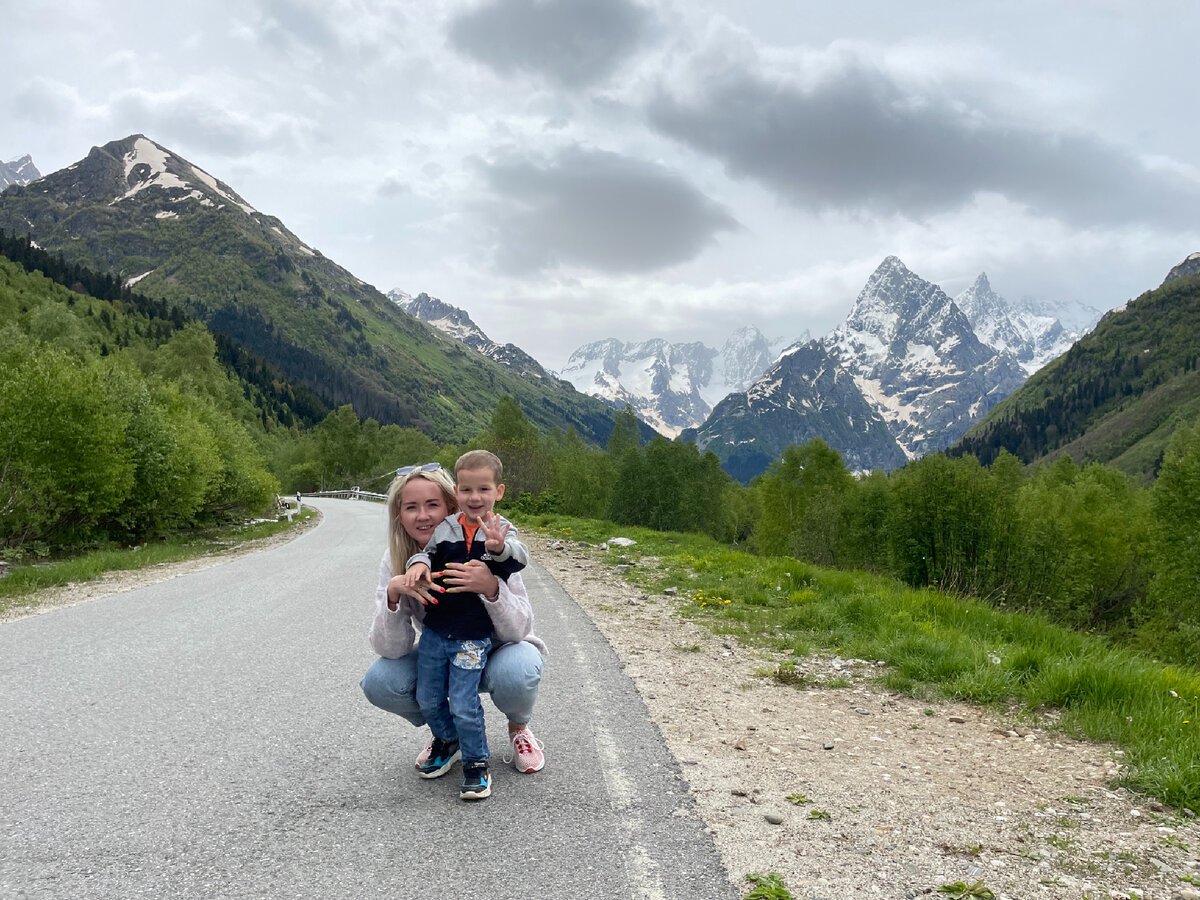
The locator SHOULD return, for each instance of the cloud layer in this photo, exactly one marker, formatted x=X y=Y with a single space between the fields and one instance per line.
x=598 y=210
x=858 y=140
x=573 y=43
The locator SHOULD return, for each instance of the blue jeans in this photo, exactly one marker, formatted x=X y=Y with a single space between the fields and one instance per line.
x=448 y=674
x=511 y=676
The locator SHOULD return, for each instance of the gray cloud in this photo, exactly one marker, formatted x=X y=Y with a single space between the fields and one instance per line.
x=859 y=141
x=596 y=209
x=571 y=42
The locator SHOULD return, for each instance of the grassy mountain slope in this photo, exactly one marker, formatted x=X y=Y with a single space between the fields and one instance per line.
x=135 y=208
x=1116 y=397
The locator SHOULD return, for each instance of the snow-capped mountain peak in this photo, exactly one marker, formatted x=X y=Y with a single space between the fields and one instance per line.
x=148 y=165
x=917 y=360
x=445 y=318
x=671 y=386
x=456 y=323
x=18 y=171
x=660 y=380
x=1033 y=338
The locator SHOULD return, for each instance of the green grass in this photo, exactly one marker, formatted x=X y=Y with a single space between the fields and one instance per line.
x=24 y=580
x=934 y=644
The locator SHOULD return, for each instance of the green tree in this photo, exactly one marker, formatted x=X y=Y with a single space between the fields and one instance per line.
x=626 y=433
x=1084 y=544
x=512 y=437
x=1170 y=614
x=941 y=522
x=583 y=476
x=343 y=452
x=175 y=459
x=802 y=497
x=64 y=461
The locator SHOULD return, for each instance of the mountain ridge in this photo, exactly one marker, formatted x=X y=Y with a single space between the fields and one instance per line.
x=181 y=235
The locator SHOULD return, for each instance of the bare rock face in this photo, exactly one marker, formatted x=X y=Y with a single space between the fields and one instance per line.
x=1190 y=266
x=458 y=324
x=19 y=171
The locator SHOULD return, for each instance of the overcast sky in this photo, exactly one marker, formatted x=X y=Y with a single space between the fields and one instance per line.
x=571 y=170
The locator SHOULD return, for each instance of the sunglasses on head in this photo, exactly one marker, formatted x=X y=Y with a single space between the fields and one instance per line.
x=424 y=467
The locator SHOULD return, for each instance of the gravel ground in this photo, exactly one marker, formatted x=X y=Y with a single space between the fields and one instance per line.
x=850 y=791
x=891 y=797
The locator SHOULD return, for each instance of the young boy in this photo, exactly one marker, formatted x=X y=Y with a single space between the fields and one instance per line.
x=456 y=634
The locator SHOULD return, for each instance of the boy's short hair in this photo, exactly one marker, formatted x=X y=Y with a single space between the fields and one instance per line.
x=480 y=459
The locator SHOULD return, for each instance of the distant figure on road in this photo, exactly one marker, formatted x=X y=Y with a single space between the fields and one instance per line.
x=419 y=500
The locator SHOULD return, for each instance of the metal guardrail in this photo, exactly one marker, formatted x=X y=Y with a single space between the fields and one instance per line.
x=352 y=494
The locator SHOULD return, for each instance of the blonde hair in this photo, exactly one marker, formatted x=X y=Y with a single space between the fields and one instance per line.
x=400 y=545
x=480 y=459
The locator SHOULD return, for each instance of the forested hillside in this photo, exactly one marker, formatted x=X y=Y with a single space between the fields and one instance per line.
x=118 y=422
x=146 y=214
x=1116 y=397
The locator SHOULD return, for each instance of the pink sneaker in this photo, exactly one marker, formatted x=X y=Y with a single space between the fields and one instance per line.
x=423 y=756
x=527 y=756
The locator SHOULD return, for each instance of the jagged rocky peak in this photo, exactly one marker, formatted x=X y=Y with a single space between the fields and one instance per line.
x=899 y=318
x=1190 y=266
x=457 y=323
x=893 y=297
x=607 y=352
x=745 y=355
x=1033 y=338
x=137 y=168
x=670 y=385
x=20 y=171
x=978 y=298
x=431 y=309
x=918 y=361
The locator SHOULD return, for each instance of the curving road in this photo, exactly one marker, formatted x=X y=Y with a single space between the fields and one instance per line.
x=205 y=737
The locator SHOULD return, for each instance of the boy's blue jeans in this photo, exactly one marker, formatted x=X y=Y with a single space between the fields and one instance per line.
x=448 y=674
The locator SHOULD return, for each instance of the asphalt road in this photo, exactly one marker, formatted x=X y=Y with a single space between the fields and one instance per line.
x=206 y=737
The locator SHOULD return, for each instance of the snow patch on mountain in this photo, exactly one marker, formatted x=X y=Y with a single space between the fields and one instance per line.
x=147 y=166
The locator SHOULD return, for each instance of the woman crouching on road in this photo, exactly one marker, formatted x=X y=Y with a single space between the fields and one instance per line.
x=418 y=499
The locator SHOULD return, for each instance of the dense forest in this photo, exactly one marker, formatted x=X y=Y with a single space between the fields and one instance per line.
x=121 y=420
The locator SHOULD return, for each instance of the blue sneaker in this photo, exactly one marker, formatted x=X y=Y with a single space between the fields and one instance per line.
x=477 y=783
x=442 y=755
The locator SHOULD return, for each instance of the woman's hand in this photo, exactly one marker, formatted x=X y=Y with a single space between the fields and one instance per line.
x=416 y=582
x=470 y=578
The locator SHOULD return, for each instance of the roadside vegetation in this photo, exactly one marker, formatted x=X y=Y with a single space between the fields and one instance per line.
x=936 y=645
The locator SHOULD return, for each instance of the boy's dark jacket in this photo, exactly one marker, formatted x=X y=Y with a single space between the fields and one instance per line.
x=461 y=617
